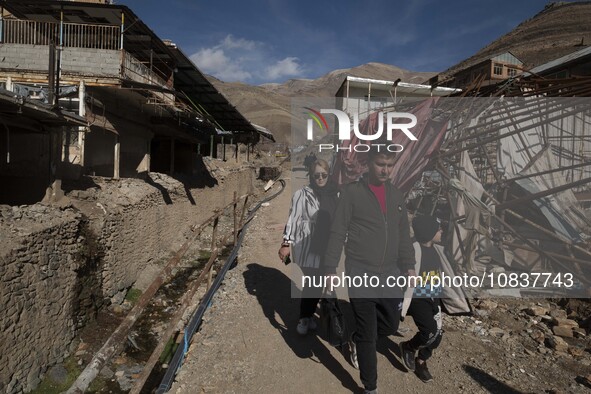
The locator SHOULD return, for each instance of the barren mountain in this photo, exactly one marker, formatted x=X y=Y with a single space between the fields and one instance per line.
x=559 y=29
x=268 y=105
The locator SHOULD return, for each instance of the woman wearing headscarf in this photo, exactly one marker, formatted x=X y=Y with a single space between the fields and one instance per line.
x=307 y=230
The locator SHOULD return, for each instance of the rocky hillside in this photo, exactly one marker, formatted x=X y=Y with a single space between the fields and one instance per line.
x=557 y=30
x=269 y=105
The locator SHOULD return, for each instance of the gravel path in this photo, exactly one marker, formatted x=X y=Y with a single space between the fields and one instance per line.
x=248 y=342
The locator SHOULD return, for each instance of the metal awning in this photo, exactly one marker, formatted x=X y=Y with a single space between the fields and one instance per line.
x=17 y=108
x=205 y=98
x=402 y=88
x=264 y=132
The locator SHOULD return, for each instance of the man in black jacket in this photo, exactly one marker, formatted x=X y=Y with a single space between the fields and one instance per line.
x=371 y=221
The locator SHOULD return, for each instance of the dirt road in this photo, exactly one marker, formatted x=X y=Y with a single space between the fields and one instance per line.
x=248 y=342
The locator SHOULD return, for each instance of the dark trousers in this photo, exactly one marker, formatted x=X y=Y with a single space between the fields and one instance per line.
x=308 y=306
x=423 y=312
x=310 y=295
x=374 y=317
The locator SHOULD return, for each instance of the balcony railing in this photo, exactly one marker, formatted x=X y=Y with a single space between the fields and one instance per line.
x=73 y=35
x=109 y=60
x=137 y=71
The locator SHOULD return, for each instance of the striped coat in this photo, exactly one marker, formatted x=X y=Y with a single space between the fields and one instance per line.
x=300 y=226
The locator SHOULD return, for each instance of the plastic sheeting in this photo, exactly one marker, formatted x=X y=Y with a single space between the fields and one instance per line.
x=415 y=156
x=560 y=209
x=469 y=191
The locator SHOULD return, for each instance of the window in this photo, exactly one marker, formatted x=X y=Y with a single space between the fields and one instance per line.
x=498 y=69
x=511 y=72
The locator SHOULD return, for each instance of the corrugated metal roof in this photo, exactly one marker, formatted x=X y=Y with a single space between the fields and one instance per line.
x=14 y=105
x=207 y=99
x=264 y=132
x=544 y=68
x=401 y=87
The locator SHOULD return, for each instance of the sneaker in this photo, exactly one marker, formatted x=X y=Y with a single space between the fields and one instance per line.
x=408 y=356
x=303 y=325
x=353 y=354
x=423 y=372
x=374 y=391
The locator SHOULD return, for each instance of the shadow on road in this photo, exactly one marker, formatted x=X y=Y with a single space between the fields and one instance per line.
x=488 y=382
x=391 y=351
x=273 y=291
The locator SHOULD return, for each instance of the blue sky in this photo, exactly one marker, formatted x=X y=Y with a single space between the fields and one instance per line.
x=262 y=41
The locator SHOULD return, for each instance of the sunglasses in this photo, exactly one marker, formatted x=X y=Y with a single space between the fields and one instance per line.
x=321 y=175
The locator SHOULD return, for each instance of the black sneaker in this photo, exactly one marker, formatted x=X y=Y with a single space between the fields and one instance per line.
x=408 y=356
x=423 y=372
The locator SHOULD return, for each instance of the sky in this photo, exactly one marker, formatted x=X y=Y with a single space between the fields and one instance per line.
x=264 y=41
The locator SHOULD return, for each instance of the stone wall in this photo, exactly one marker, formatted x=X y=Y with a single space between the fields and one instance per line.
x=59 y=265
x=37 y=275
x=145 y=229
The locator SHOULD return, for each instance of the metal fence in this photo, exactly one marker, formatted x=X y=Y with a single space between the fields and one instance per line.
x=75 y=35
x=137 y=71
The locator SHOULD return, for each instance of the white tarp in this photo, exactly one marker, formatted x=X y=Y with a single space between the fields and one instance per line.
x=561 y=209
x=477 y=221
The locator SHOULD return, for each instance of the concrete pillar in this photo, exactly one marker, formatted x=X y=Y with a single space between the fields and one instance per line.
x=148 y=155
x=81 y=129
x=117 y=161
x=54 y=190
x=65 y=132
x=171 y=156
x=1 y=24
x=9 y=83
x=144 y=165
x=223 y=149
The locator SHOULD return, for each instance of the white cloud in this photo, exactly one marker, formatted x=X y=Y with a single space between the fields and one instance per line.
x=232 y=43
x=214 y=61
x=239 y=59
x=287 y=67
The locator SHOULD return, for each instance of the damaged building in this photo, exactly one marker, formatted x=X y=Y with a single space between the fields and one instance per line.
x=513 y=174
x=113 y=147
x=505 y=161
x=124 y=102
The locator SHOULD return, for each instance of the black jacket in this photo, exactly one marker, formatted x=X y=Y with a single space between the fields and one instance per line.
x=374 y=241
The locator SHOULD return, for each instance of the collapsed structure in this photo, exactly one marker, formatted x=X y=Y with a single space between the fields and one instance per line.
x=88 y=88
x=508 y=164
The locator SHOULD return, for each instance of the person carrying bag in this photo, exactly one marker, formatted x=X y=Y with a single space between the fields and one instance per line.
x=332 y=320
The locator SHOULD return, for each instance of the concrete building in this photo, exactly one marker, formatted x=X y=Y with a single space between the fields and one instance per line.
x=363 y=95
x=147 y=107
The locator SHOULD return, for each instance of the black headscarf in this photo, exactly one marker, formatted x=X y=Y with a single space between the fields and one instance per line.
x=327 y=198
